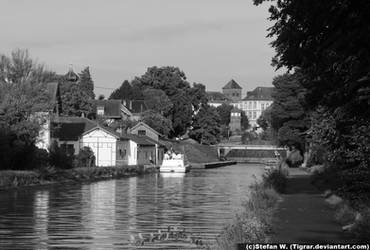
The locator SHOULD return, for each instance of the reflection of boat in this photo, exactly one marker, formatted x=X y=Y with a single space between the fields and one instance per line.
x=172 y=175
x=174 y=164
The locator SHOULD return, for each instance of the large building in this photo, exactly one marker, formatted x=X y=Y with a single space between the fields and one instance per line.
x=255 y=103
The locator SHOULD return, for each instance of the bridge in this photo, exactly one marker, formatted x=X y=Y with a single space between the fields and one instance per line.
x=250 y=152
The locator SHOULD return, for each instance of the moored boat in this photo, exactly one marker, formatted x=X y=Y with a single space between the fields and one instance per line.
x=174 y=163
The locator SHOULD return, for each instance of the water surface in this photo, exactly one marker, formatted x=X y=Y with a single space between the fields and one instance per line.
x=103 y=215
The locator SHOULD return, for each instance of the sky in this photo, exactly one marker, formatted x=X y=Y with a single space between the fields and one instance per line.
x=212 y=41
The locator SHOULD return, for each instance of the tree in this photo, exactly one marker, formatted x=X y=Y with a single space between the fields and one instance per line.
x=181 y=114
x=325 y=41
x=198 y=96
x=172 y=81
x=123 y=92
x=244 y=121
x=86 y=83
x=157 y=121
x=287 y=111
x=75 y=101
x=206 y=126
x=23 y=95
x=262 y=121
x=224 y=111
x=157 y=100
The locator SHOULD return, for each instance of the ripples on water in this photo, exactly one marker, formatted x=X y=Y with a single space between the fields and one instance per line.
x=103 y=215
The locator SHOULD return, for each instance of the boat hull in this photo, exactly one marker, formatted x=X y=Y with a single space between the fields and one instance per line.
x=174 y=169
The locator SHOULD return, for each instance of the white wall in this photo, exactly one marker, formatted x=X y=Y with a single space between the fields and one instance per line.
x=132 y=157
x=103 y=145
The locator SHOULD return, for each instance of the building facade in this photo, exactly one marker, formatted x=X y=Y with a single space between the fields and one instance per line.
x=255 y=103
x=233 y=91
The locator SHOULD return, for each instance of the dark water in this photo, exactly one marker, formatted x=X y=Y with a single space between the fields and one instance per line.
x=103 y=215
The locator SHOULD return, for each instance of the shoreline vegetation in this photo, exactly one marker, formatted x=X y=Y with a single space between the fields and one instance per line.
x=46 y=175
x=254 y=223
x=17 y=178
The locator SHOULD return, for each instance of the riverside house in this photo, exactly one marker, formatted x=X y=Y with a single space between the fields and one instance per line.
x=110 y=148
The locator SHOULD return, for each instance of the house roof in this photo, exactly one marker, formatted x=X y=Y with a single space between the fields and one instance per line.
x=105 y=129
x=146 y=126
x=135 y=106
x=232 y=85
x=112 y=108
x=214 y=96
x=68 y=128
x=141 y=140
x=71 y=76
x=260 y=93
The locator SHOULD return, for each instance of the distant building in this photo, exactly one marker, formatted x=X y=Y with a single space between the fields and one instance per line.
x=216 y=99
x=235 y=120
x=113 y=110
x=233 y=91
x=255 y=103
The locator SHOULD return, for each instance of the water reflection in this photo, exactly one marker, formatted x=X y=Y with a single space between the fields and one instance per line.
x=41 y=218
x=103 y=215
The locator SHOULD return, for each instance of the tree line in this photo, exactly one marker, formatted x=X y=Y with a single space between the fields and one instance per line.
x=322 y=104
x=175 y=107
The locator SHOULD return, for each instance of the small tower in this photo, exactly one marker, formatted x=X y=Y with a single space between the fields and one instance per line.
x=235 y=120
x=71 y=76
x=233 y=91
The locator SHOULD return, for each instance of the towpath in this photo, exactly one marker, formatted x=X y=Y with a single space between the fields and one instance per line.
x=303 y=216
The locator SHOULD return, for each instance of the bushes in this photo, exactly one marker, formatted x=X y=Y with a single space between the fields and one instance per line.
x=18 y=178
x=276 y=179
x=85 y=158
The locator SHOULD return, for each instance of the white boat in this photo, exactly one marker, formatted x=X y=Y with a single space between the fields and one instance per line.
x=174 y=164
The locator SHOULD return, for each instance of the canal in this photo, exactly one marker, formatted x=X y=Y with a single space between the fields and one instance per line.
x=103 y=215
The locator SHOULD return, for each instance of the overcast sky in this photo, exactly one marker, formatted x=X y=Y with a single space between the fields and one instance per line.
x=212 y=41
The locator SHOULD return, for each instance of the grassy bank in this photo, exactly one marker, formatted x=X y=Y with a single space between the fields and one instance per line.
x=254 y=223
x=197 y=153
x=13 y=179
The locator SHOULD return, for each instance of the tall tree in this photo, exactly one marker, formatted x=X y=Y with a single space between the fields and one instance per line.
x=75 y=101
x=158 y=122
x=123 y=92
x=325 y=40
x=23 y=93
x=288 y=116
x=206 y=126
x=157 y=100
x=224 y=111
x=172 y=81
x=86 y=83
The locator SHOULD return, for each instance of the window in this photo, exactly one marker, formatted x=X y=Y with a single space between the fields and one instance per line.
x=254 y=114
x=249 y=114
x=254 y=105
x=141 y=132
x=100 y=110
x=262 y=106
x=250 y=105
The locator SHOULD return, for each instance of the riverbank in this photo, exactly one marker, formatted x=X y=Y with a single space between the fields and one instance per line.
x=254 y=223
x=303 y=216
x=14 y=179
